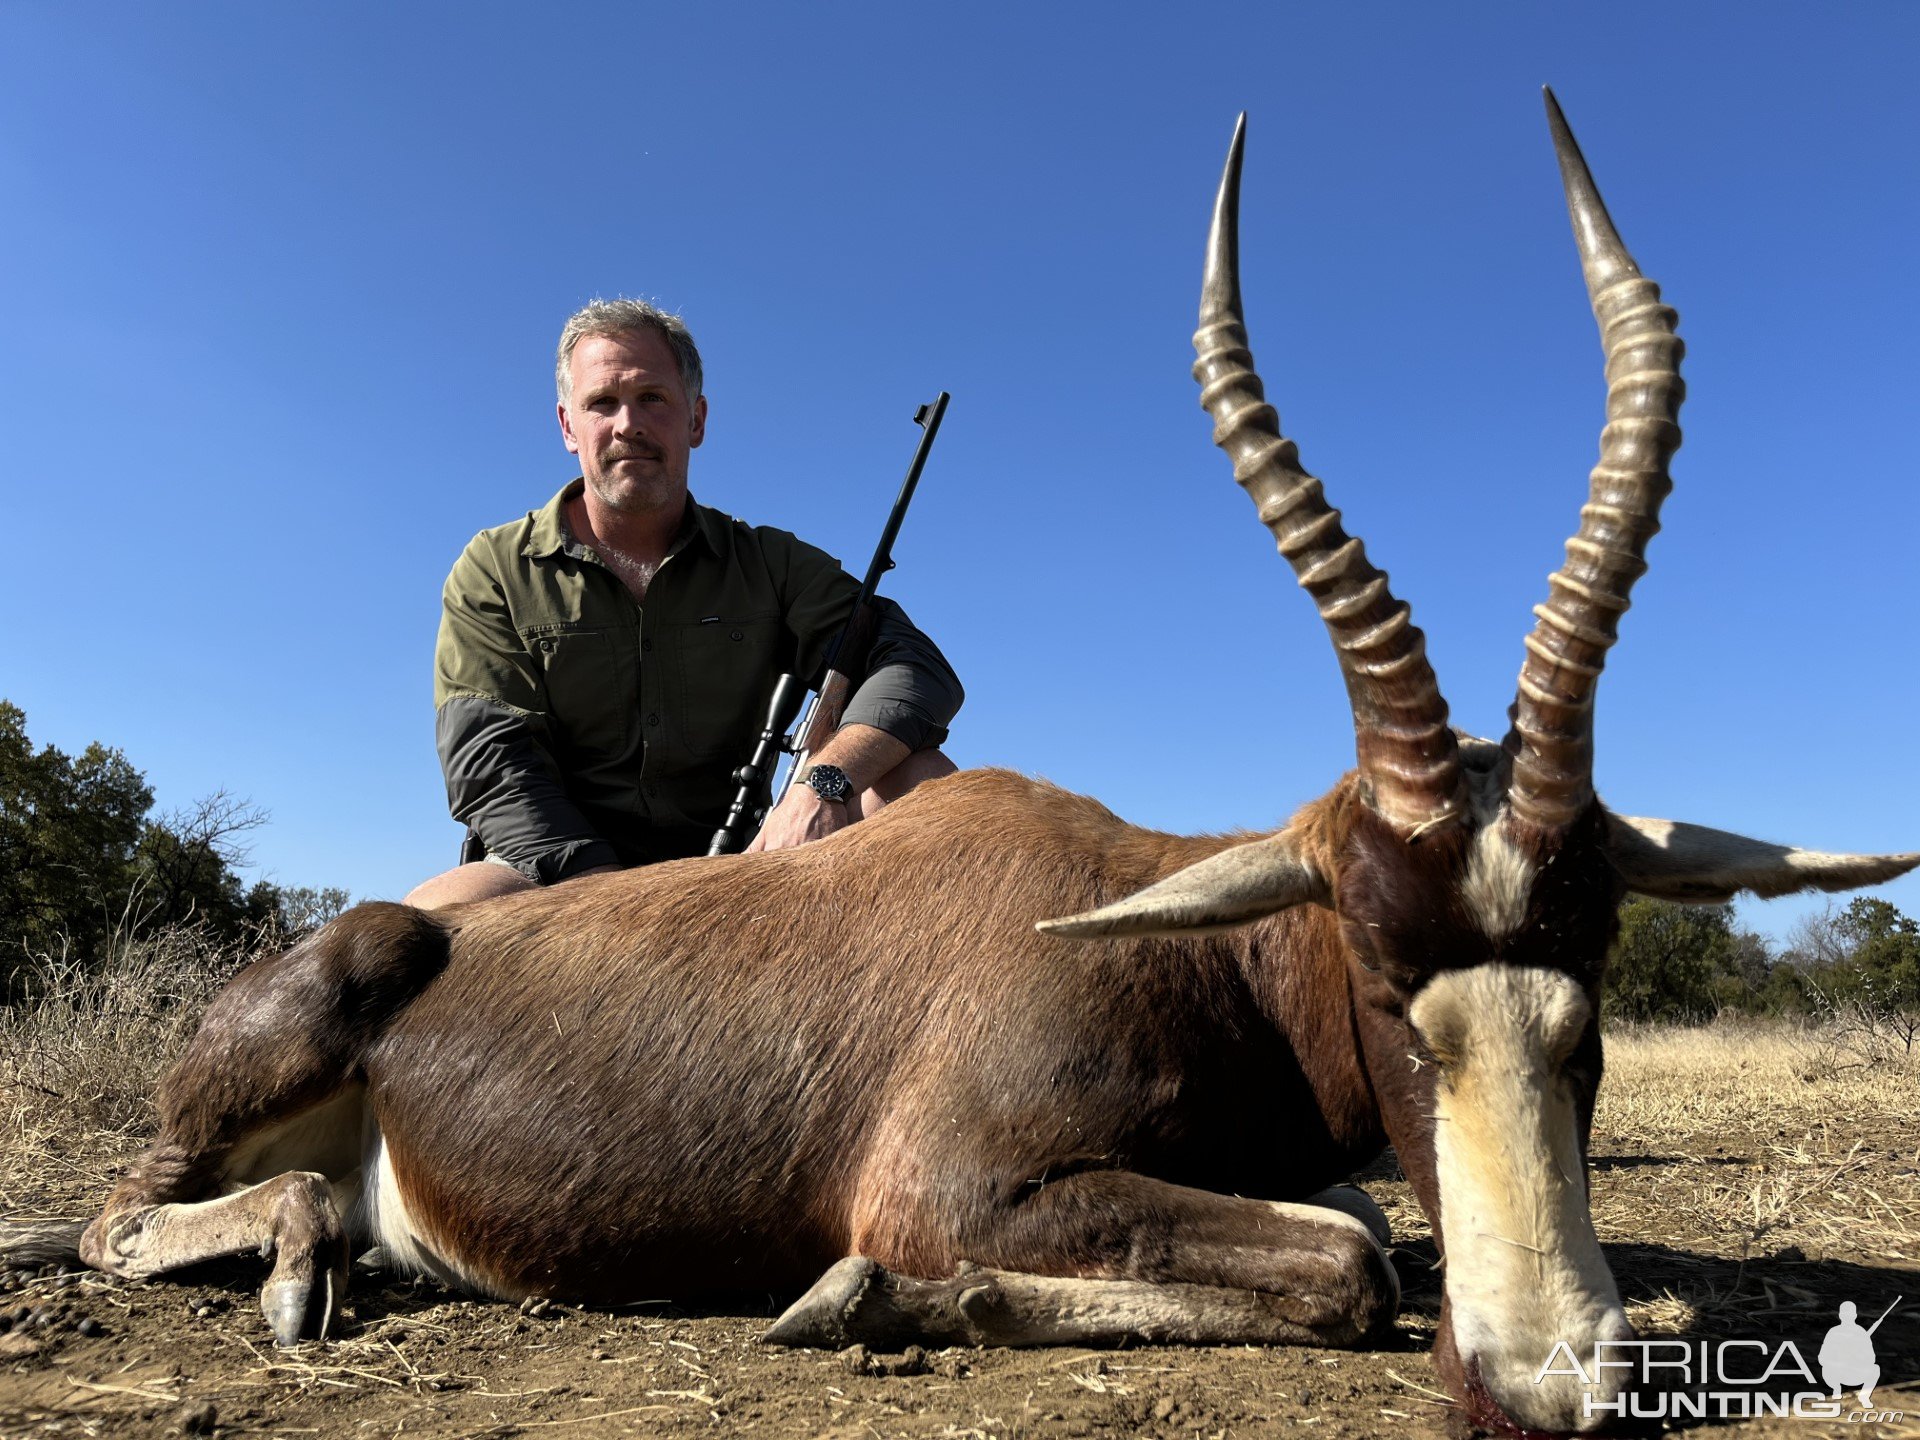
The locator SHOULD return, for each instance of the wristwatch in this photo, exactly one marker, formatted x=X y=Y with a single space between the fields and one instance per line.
x=829 y=782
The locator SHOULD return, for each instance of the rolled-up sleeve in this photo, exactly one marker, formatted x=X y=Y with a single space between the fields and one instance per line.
x=492 y=732
x=910 y=691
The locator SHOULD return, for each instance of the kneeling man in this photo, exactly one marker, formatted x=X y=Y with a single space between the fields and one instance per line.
x=605 y=662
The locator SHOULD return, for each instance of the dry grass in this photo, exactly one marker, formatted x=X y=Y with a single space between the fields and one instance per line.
x=1799 y=1137
x=1747 y=1177
x=1789 y=1149
x=79 y=1057
x=1666 y=1084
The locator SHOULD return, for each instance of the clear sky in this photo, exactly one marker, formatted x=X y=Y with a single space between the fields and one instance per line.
x=280 y=285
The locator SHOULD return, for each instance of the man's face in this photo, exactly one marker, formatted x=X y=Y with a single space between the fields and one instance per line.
x=630 y=422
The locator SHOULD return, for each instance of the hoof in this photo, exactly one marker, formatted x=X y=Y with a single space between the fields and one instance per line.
x=824 y=1317
x=284 y=1303
x=299 y=1308
x=1352 y=1200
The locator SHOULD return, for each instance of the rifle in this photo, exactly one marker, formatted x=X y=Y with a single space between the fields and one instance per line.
x=846 y=664
x=1884 y=1313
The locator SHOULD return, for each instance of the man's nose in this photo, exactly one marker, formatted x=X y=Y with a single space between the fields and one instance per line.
x=627 y=420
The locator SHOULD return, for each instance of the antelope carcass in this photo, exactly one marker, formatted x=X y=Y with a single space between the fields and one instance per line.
x=881 y=1057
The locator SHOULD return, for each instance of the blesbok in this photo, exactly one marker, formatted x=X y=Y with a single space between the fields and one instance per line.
x=861 y=1057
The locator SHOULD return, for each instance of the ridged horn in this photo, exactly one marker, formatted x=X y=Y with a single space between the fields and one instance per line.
x=1552 y=734
x=1409 y=762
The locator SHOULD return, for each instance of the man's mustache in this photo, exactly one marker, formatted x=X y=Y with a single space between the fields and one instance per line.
x=633 y=452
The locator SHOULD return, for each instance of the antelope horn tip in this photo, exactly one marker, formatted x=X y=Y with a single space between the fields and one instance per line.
x=1220 y=290
x=1603 y=258
x=1565 y=147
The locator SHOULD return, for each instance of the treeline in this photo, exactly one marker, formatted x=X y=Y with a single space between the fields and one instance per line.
x=85 y=863
x=1689 y=963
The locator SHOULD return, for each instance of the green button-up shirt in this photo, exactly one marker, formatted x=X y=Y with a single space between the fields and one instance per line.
x=578 y=727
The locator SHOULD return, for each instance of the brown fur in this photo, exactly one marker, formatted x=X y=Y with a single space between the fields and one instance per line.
x=285 y=1036
x=803 y=1070
x=729 y=1073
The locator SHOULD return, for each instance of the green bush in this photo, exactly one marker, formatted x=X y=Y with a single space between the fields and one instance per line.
x=1671 y=962
x=85 y=864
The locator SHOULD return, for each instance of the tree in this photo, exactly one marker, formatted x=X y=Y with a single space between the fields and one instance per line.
x=1884 y=959
x=1859 y=966
x=1670 y=961
x=186 y=863
x=294 y=910
x=83 y=860
x=68 y=831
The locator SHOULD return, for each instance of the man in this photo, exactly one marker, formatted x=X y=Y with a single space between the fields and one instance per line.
x=604 y=663
x=1846 y=1355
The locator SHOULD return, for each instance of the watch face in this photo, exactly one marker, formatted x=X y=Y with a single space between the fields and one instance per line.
x=829 y=782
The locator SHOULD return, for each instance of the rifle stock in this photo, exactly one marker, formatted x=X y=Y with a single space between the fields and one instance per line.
x=829 y=706
x=846 y=666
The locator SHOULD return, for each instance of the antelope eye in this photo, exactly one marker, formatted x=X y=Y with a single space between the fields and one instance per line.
x=1562 y=1028
x=1441 y=1023
x=1443 y=1044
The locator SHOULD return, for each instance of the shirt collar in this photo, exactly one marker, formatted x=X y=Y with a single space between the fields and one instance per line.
x=548 y=533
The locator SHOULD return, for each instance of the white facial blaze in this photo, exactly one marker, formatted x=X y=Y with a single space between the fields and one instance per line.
x=1499 y=882
x=1523 y=1269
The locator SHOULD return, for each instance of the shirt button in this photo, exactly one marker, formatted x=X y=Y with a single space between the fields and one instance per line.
x=653 y=719
x=737 y=635
x=646 y=644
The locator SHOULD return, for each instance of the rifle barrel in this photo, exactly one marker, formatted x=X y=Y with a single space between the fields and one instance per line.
x=1884 y=1313
x=929 y=421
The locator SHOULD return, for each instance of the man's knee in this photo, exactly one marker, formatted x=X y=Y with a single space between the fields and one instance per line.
x=479 y=880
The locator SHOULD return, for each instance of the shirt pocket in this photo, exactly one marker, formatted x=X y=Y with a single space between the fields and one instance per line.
x=723 y=673
x=590 y=698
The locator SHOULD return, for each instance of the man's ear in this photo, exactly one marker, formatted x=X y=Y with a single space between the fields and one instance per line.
x=698 y=431
x=566 y=428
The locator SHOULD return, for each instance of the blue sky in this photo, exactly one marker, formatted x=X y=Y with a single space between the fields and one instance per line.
x=281 y=283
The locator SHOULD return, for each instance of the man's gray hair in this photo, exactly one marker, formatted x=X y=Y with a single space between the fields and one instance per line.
x=623 y=317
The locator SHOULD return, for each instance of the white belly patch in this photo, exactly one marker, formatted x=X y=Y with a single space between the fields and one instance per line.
x=381 y=1215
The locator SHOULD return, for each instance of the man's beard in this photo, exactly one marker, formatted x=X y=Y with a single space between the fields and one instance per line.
x=630 y=494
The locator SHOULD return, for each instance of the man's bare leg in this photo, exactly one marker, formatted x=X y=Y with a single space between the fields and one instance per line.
x=481 y=880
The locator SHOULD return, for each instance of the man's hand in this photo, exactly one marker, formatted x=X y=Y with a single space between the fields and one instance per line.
x=800 y=816
x=864 y=754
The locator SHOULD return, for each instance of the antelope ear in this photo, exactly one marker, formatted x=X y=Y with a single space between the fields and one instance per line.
x=1692 y=864
x=1217 y=893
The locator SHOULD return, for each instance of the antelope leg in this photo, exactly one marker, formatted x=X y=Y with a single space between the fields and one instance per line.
x=860 y=1301
x=291 y=1217
x=1104 y=1256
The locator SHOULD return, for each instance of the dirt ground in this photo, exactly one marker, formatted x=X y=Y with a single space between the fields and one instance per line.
x=1745 y=1183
